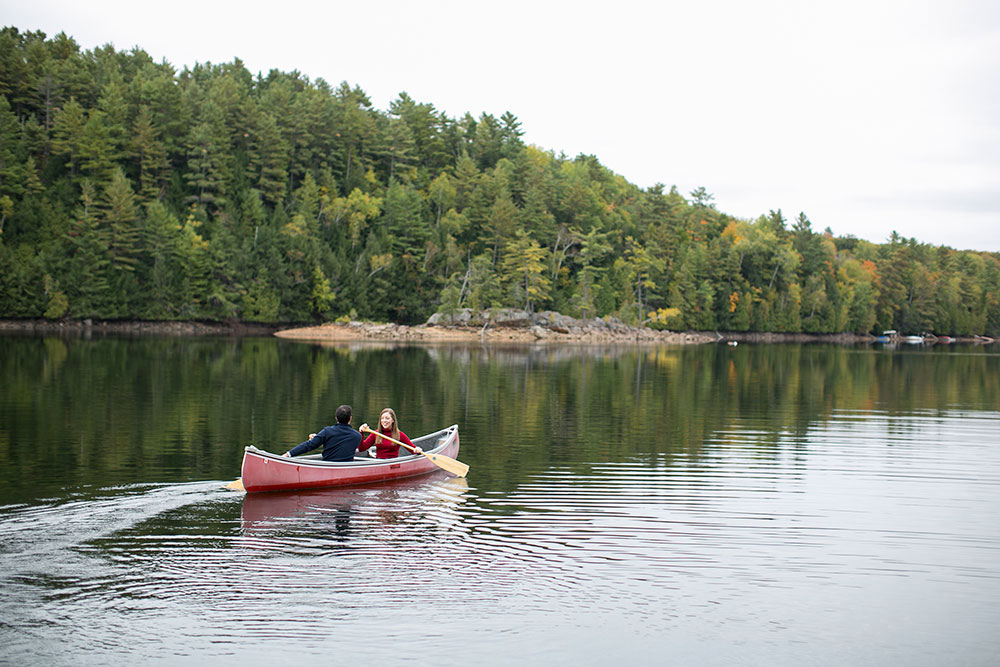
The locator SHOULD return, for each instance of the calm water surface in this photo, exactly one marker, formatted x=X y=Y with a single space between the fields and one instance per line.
x=780 y=505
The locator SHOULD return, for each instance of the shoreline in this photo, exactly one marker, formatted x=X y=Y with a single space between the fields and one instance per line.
x=433 y=333
x=91 y=326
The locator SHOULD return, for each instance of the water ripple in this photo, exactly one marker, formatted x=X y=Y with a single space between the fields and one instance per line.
x=651 y=540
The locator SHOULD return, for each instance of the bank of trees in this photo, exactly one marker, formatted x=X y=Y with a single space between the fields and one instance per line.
x=131 y=190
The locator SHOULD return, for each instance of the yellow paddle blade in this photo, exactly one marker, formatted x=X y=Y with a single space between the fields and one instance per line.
x=451 y=465
x=236 y=485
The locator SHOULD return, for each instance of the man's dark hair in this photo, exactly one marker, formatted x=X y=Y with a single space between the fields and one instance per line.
x=344 y=414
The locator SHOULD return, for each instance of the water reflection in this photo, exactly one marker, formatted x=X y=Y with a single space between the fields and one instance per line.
x=120 y=411
x=436 y=495
x=262 y=512
x=696 y=502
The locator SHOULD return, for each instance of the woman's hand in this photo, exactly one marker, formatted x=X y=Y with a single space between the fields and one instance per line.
x=364 y=427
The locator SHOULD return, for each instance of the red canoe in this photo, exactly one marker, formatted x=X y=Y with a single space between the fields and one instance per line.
x=263 y=471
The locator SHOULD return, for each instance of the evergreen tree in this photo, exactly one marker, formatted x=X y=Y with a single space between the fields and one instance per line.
x=442 y=194
x=207 y=159
x=357 y=125
x=268 y=160
x=114 y=114
x=643 y=266
x=149 y=153
x=119 y=212
x=594 y=247
x=500 y=226
x=67 y=134
x=12 y=153
x=523 y=272
x=89 y=266
x=161 y=270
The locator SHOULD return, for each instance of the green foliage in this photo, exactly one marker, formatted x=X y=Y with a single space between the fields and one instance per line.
x=6 y=210
x=261 y=303
x=523 y=272
x=322 y=296
x=131 y=190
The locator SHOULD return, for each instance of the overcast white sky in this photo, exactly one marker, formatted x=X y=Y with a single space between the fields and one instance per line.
x=868 y=115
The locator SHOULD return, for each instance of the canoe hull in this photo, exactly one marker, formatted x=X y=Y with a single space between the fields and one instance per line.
x=263 y=471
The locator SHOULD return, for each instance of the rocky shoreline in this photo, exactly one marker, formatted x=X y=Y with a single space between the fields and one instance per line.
x=499 y=326
x=354 y=331
x=522 y=327
x=505 y=326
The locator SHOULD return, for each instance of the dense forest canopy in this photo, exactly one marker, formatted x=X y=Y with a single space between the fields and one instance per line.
x=131 y=190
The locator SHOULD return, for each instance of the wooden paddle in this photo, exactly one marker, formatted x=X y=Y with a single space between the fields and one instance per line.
x=456 y=468
x=236 y=485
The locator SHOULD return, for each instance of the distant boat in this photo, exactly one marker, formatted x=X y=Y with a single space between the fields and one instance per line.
x=913 y=340
x=881 y=339
x=945 y=339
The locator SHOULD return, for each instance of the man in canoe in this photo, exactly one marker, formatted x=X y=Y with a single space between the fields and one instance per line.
x=339 y=441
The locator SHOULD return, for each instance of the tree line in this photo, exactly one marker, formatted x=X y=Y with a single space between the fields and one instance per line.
x=131 y=190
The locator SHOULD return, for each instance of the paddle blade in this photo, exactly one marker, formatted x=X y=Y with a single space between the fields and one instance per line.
x=456 y=468
x=236 y=485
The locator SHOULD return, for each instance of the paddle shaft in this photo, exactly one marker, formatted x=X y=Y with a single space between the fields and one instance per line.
x=451 y=465
x=401 y=444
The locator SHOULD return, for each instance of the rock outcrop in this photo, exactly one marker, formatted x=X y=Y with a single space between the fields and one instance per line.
x=504 y=325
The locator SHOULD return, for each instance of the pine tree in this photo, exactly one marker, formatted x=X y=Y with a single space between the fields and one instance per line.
x=67 y=134
x=500 y=225
x=162 y=273
x=207 y=171
x=114 y=115
x=96 y=150
x=523 y=272
x=644 y=266
x=594 y=247
x=12 y=151
x=88 y=273
x=357 y=126
x=149 y=153
x=404 y=219
x=118 y=212
x=268 y=158
x=442 y=194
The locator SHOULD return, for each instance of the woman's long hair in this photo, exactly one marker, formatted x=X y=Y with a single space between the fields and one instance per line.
x=395 y=426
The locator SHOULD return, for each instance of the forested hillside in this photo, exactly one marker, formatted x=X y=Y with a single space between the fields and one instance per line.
x=131 y=190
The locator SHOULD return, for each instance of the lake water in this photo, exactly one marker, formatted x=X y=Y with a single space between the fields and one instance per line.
x=709 y=505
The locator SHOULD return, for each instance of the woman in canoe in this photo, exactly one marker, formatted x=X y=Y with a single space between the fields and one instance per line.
x=389 y=427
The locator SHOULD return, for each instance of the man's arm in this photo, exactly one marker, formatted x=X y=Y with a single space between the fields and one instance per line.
x=315 y=440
